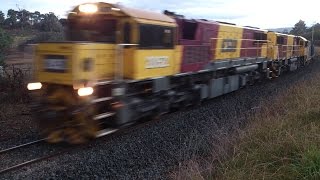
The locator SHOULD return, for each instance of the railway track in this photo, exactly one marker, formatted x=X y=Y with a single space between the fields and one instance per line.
x=42 y=158
x=21 y=146
x=100 y=134
x=10 y=150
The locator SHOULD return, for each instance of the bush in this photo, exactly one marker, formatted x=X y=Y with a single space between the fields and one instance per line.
x=5 y=41
x=5 y=44
x=13 y=85
x=2 y=61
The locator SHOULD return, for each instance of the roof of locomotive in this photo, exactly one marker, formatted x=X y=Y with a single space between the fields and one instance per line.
x=142 y=14
x=304 y=39
x=132 y=12
x=243 y=27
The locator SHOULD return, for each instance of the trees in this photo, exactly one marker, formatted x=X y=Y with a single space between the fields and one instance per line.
x=5 y=43
x=2 y=18
x=35 y=18
x=315 y=30
x=11 y=19
x=299 y=28
x=50 y=22
x=23 y=19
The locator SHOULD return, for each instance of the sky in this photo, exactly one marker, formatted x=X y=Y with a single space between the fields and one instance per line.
x=264 y=14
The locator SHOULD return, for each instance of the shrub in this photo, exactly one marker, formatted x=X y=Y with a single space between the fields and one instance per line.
x=5 y=44
x=5 y=41
x=13 y=85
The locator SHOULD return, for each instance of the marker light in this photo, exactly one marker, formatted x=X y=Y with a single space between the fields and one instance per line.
x=88 y=8
x=34 y=86
x=86 y=91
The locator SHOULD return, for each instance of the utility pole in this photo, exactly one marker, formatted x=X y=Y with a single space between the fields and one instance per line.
x=312 y=33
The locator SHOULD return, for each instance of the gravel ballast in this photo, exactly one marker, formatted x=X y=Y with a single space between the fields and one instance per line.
x=154 y=150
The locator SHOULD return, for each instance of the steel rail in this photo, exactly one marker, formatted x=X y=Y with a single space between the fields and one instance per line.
x=102 y=133
x=22 y=145
x=32 y=161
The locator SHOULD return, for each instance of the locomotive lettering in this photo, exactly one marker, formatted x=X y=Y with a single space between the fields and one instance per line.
x=229 y=45
x=157 y=62
x=55 y=63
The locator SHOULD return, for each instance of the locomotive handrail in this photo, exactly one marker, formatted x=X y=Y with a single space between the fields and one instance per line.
x=259 y=42
x=243 y=48
x=242 y=39
x=281 y=49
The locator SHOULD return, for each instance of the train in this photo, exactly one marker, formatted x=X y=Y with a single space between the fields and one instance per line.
x=120 y=65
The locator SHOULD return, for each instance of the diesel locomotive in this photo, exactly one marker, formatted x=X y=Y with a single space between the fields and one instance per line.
x=119 y=65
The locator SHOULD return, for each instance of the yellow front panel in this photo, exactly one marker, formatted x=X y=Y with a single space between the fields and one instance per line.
x=42 y=75
x=228 y=42
x=149 y=63
x=290 y=47
x=52 y=49
x=103 y=56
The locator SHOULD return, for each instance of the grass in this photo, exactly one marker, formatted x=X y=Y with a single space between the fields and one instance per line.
x=281 y=141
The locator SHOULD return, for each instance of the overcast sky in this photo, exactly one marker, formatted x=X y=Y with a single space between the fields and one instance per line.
x=263 y=14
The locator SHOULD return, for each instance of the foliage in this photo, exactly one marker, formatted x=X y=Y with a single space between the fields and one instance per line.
x=50 y=23
x=23 y=19
x=281 y=141
x=5 y=43
x=2 y=18
x=315 y=30
x=12 y=85
x=299 y=28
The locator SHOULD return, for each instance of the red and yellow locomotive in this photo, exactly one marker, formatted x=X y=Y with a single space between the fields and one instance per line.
x=120 y=64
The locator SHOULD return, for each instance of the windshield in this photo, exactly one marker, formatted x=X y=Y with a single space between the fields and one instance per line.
x=95 y=29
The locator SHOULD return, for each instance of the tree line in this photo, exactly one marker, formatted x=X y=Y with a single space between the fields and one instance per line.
x=48 y=22
x=23 y=19
x=300 y=29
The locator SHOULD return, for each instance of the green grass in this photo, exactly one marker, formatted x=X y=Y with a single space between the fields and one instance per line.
x=282 y=141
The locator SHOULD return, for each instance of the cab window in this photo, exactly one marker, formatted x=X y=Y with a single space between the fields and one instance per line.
x=156 y=37
x=127 y=33
x=95 y=29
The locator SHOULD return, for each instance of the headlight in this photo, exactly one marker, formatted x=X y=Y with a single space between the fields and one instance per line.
x=86 y=91
x=88 y=8
x=34 y=86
